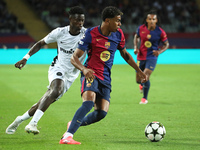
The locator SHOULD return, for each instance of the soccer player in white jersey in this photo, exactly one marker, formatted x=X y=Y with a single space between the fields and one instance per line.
x=61 y=73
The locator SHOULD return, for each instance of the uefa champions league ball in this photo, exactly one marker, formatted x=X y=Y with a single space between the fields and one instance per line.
x=155 y=131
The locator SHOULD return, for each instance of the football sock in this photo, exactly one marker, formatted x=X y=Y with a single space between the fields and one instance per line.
x=93 y=117
x=146 y=87
x=25 y=116
x=68 y=134
x=36 y=117
x=79 y=115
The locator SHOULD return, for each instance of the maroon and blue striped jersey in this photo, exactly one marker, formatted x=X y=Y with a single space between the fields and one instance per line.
x=149 y=41
x=101 y=50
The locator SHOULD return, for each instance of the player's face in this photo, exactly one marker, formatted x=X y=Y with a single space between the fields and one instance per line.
x=115 y=23
x=151 y=20
x=77 y=21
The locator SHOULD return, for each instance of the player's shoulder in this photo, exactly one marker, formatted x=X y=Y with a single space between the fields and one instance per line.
x=142 y=26
x=93 y=30
x=160 y=28
x=83 y=30
x=119 y=32
x=61 y=30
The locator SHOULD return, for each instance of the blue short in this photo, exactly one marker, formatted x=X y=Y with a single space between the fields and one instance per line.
x=149 y=64
x=102 y=91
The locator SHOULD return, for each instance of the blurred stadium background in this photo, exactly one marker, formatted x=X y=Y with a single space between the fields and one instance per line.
x=23 y=22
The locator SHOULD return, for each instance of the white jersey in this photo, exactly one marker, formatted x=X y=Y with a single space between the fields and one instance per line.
x=67 y=44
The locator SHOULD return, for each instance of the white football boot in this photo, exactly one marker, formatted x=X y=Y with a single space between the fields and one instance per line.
x=13 y=126
x=32 y=128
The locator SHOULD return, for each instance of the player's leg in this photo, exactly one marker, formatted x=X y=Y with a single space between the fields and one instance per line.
x=146 y=86
x=88 y=102
x=149 y=68
x=141 y=65
x=11 y=129
x=55 y=90
x=100 y=111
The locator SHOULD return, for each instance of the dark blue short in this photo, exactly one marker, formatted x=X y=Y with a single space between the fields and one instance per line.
x=102 y=91
x=149 y=63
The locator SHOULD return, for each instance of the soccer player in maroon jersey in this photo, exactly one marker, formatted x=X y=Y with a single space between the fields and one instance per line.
x=101 y=43
x=150 y=34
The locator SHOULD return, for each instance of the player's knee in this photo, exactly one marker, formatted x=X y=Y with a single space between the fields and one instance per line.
x=101 y=114
x=56 y=92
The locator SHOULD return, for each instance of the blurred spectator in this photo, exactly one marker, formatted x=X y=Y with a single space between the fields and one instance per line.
x=178 y=14
x=8 y=21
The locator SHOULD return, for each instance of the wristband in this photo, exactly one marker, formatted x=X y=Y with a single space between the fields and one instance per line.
x=27 y=56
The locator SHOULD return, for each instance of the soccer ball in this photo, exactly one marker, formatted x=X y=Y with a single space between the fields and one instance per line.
x=155 y=131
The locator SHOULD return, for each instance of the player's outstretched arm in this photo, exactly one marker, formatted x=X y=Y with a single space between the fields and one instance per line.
x=35 y=48
x=89 y=73
x=129 y=59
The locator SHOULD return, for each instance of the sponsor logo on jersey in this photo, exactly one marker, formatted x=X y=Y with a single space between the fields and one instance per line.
x=148 y=36
x=71 y=51
x=105 y=56
x=148 y=44
x=107 y=44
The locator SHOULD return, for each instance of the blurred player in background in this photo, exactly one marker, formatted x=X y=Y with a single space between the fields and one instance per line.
x=61 y=73
x=149 y=34
x=101 y=42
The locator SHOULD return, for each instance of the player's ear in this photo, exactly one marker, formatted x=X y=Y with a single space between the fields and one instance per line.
x=107 y=20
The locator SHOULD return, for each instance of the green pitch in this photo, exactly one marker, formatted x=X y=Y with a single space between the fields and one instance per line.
x=174 y=100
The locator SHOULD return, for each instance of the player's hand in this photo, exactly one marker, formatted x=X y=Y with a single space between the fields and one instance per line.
x=20 y=64
x=143 y=77
x=156 y=53
x=136 y=51
x=89 y=74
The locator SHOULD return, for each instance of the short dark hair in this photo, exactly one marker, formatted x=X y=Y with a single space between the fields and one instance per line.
x=76 y=10
x=110 y=12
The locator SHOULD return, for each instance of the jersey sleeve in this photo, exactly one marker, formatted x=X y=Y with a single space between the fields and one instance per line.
x=85 y=41
x=163 y=35
x=138 y=31
x=121 y=45
x=51 y=37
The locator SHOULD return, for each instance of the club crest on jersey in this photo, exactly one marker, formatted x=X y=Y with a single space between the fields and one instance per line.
x=148 y=36
x=107 y=44
x=105 y=56
x=148 y=44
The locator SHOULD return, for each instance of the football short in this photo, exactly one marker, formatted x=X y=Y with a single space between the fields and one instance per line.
x=56 y=72
x=149 y=64
x=102 y=91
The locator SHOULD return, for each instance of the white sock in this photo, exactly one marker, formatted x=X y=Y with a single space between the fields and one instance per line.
x=36 y=117
x=25 y=116
x=68 y=134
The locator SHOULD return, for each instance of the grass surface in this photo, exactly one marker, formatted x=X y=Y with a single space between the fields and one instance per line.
x=173 y=101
